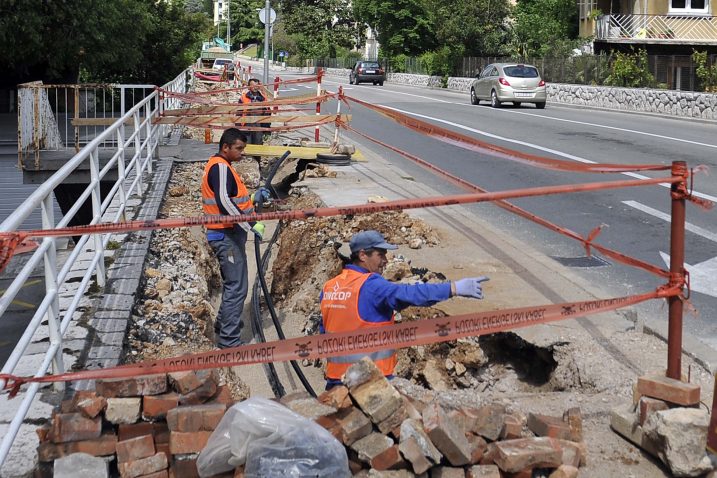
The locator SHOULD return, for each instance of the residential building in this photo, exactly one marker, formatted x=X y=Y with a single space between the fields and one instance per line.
x=220 y=8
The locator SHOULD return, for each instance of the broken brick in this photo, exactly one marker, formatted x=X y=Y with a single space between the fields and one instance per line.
x=354 y=425
x=135 y=448
x=123 y=410
x=74 y=427
x=486 y=421
x=483 y=471
x=414 y=429
x=445 y=435
x=489 y=455
x=132 y=387
x=194 y=418
x=330 y=423
x=105 y=445
x=370 y=446
x=389 y=459
x=565 y=471
x=223 y=395
x=88 y=403
x=157 y=406
x=130 y=430
x=447 y=472
x=524 y=453
x=478 y=446
x=337 y=397
x=184 y=382
x=189 y=442
x=571 y=452
x=412 y=452
x=393 y=421
x=310 y=408
x=648 y=406
x=42 y=432
x=157 y=474
x=512 y=428
x=200 y=394
x=143 y=466
x=547 y=426
x=669 y=390
x=372 y=391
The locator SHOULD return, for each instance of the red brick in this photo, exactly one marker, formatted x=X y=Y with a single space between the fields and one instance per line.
x=486 y=421
x=354 y=426
x=389 y=459
x=199 y=395
x=223 y=395
x=547 y=426
x=160 y=432
x=184 y=382
x=135 y=448
x=648 y=406
x=66 y=406
x=478 y=447
x=669 y=390
x=74 y=427
x=514 y=456
x=190 y=442
x=445 y=435
x=162 y=448
x=489 y=455
x=194 y=418
x=574 y=420
x=42 y=432
x=447 y=472
x=132 y=430
x=337 y=397
x=331 y=424
x=411 y=451
x=105 y=445
x=89 y=403
x=143 y=466
x=512 y=428
x=574 y=453
x=159 y=474
x=157 y=406
x=132 y=387
x=393 y=421
x=184 y=468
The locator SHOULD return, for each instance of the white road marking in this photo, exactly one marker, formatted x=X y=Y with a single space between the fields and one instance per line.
x=534 y=146
x=666 y=217
x=701 y=275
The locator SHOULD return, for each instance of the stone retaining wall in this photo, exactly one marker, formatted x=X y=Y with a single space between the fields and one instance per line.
x=667 y=102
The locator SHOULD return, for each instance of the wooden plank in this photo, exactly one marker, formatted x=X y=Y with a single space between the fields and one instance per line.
x=230 y=120
x=297 y=152
x=220 y=109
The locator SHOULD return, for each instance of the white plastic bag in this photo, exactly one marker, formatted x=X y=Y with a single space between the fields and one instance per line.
x=271 y=440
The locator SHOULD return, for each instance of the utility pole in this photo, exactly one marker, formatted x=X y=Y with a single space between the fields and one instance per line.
x=229 y=26
x=267 y=26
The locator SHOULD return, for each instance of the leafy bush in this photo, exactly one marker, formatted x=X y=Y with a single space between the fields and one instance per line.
x=398 y=63
x=706 y=74
x=630 y=70
x=439 y=62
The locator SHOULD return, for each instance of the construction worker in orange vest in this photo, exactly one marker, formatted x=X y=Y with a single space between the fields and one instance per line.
x=224 y=193
x=360 y=298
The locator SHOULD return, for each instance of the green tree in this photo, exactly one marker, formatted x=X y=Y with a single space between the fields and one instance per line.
x=630 y=70
x=544 y=27
x=319 y=26
x=246 y=26
x=471 y=27
x=707 y=74
x=402 y=26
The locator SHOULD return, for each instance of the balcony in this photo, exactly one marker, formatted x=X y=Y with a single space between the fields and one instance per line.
x=657 y=29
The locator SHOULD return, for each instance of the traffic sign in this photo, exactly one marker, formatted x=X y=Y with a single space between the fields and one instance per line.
x=262 y=15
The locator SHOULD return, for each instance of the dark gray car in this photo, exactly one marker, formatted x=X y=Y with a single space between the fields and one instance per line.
x=367 y=71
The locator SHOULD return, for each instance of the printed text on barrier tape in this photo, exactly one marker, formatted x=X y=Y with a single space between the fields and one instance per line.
x=421 y=332
x=467 y=142
x=613 y=254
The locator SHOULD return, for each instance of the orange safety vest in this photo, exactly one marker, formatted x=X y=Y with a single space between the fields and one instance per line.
x=247 y=101
x=242 y=200
x=339 y=309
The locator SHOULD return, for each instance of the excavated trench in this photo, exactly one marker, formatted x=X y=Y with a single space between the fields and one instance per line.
x=182 y=287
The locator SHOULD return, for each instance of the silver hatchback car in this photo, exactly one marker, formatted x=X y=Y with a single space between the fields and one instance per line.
x=513 y=82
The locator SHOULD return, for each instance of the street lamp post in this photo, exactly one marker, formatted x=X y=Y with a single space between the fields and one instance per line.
x=267 y=26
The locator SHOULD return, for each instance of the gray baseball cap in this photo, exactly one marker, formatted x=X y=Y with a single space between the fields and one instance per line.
x=369 y=240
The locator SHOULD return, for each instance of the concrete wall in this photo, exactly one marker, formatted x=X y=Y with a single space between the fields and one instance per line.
x=668 y=102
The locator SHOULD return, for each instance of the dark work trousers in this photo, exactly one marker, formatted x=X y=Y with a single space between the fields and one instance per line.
x=231 y=253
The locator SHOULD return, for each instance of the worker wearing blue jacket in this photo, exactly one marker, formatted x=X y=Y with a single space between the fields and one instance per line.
x=360 y=298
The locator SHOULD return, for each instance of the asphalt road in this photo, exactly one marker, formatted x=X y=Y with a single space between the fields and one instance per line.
x=637 y=219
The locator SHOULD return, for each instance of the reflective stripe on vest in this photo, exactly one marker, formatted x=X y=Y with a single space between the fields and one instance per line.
x=242 y=200
x=339 y=310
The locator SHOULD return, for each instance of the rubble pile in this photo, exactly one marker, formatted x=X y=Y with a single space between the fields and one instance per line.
x=384 y=430
x=151 y=426
x=665 y=420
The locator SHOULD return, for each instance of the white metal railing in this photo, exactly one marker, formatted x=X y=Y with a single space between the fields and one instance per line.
x=135 y=141
x=661 y=28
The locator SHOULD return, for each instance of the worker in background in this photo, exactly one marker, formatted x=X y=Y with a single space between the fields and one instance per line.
x=253 y=94
x=224 y=193
x=360 y=298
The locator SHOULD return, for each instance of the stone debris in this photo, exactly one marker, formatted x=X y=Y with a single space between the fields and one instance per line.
x=660 y=424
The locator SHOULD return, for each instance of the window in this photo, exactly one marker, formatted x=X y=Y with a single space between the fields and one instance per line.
x=521 y=71
x=691 y=7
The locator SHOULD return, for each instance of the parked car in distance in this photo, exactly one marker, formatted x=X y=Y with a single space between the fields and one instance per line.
x=513 y=82
x=365 y=71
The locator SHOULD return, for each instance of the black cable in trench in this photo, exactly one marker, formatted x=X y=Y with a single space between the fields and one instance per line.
x=261 y=270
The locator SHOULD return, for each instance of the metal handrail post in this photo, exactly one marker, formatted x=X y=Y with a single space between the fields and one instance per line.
x=97 y=213
x=53 y=311
x=677 y=269
x=138 y=153
x=121 y=172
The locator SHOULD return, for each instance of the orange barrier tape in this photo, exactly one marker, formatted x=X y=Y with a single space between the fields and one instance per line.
x=472 y=144
x=421 y=332
x=371 y=208
x=291 y=100
x=611 y=253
